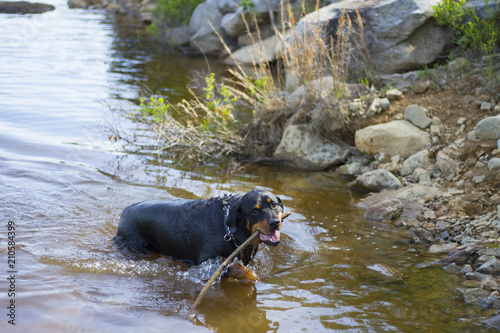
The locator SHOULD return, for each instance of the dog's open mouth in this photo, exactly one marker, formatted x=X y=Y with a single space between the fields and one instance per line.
x=272 y=239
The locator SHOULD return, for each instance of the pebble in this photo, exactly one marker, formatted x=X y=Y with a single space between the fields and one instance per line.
x=461 y=120
x=393 y=94
x=478 y=179
x=485 y=106
x=494 y=163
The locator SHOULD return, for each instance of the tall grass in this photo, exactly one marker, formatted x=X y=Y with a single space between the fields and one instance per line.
x=204 y=127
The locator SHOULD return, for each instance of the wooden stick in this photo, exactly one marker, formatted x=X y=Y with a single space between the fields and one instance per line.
x=191 y=313
x=219 y=270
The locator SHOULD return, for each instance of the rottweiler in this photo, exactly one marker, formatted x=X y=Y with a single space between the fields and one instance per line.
x=195 y=230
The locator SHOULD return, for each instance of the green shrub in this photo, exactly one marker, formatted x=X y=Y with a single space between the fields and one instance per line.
x=469 y=29
x=176 y=12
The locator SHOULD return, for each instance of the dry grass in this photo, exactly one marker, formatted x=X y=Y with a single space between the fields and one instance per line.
x=203 y=127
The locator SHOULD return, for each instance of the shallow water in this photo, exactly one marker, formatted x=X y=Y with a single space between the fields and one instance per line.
x=64 y=184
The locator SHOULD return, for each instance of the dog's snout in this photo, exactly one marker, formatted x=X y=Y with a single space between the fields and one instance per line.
x=274 y=223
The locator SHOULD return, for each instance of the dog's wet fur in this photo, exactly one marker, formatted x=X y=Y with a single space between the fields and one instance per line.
x=193 y=231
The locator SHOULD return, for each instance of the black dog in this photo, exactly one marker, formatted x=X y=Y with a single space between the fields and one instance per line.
x=196 y=230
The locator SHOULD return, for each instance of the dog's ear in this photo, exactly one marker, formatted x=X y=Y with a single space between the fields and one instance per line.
x=280 y=203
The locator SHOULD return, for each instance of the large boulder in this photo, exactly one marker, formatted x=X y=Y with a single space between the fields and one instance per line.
x=400 y=34
x=204 y=23
x=397 y=137
x=305 y=148
x=24 y=7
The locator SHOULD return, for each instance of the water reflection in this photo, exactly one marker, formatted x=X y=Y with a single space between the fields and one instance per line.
x=65 y=186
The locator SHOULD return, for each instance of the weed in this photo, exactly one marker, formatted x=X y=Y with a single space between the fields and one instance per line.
x=176 y=12
x=470 y=30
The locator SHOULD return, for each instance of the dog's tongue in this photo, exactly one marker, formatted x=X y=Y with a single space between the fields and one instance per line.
x=273 y=238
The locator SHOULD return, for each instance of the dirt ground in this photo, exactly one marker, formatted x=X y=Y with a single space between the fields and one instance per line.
x=458 y=98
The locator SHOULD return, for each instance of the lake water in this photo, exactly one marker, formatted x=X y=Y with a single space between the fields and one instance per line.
x=64 y=183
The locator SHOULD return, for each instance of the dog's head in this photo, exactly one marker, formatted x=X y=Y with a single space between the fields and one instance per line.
x=261 y=211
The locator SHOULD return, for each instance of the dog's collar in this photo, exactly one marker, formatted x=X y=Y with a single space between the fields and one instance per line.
x=226 y=204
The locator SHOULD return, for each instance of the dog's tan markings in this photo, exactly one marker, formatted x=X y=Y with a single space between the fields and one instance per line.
x=257 y=206
x=269 y=200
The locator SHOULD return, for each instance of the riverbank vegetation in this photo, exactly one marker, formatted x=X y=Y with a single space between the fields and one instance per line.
x=206 y=127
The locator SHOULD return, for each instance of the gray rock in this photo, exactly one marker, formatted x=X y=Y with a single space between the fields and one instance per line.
x=443 y=248
x=488 y=128
x=24 y=7
x=493 y=322
x=441 y=225
x=417 y=115
x=446 y=164
x=490 y=283
x=375 y=108
x=352 y=170
x=206 y=17
x=421 y=236
x=494 y=163
x=451 y=268
x=491 y=267
x=457 y=64
x=418 y=41
x=472 y=295
x=355 y=106
x=420 y=159
x=376 y=181
x=393 y=94
x=476 y=276
x=485 y=106
x=178 y=35
x=397 y=137
x=421 y=87
x=478 y=179
x=384 y=103
x=384 y=210
x=305 y=148
x=263 y=50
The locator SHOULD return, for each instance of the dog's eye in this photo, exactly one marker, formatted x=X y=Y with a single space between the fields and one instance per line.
x=274 y=205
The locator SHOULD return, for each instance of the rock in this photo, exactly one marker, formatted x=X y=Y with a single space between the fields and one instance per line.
x=355 y=106
x=419 y=39
x=234 y=24
x=397 y=137
x=382 y=157
x=476 y=276
x=472 y=295
x=485 y=106
x=488 y=128
x=493 y=322
x=478 y=179
x=260 y=52
x=352 y=170
x=461 y=120
x=491 y=267
x=206 y=17
x=375 y=181
x=417 y=115
x=24 y=7
x=451 y=268
x=305 y=148
x=375 y=107
x=420 y=159
x=494 y=163
x=421 y=236
x=249 y=38
x=446 y=164
x=421 y=87
x=384 y=103
x=178 y=36
x=393 y=94
x=447 y=248
x=385 y=210
x=490 y=283
x=457 y=64
x=441 y=225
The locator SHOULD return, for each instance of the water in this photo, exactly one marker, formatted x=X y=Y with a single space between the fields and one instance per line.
x=65 y=182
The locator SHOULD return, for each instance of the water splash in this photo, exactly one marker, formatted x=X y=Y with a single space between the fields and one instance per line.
x=201 y=273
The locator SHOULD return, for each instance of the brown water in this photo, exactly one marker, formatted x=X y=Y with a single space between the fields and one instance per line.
x=64 y=184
